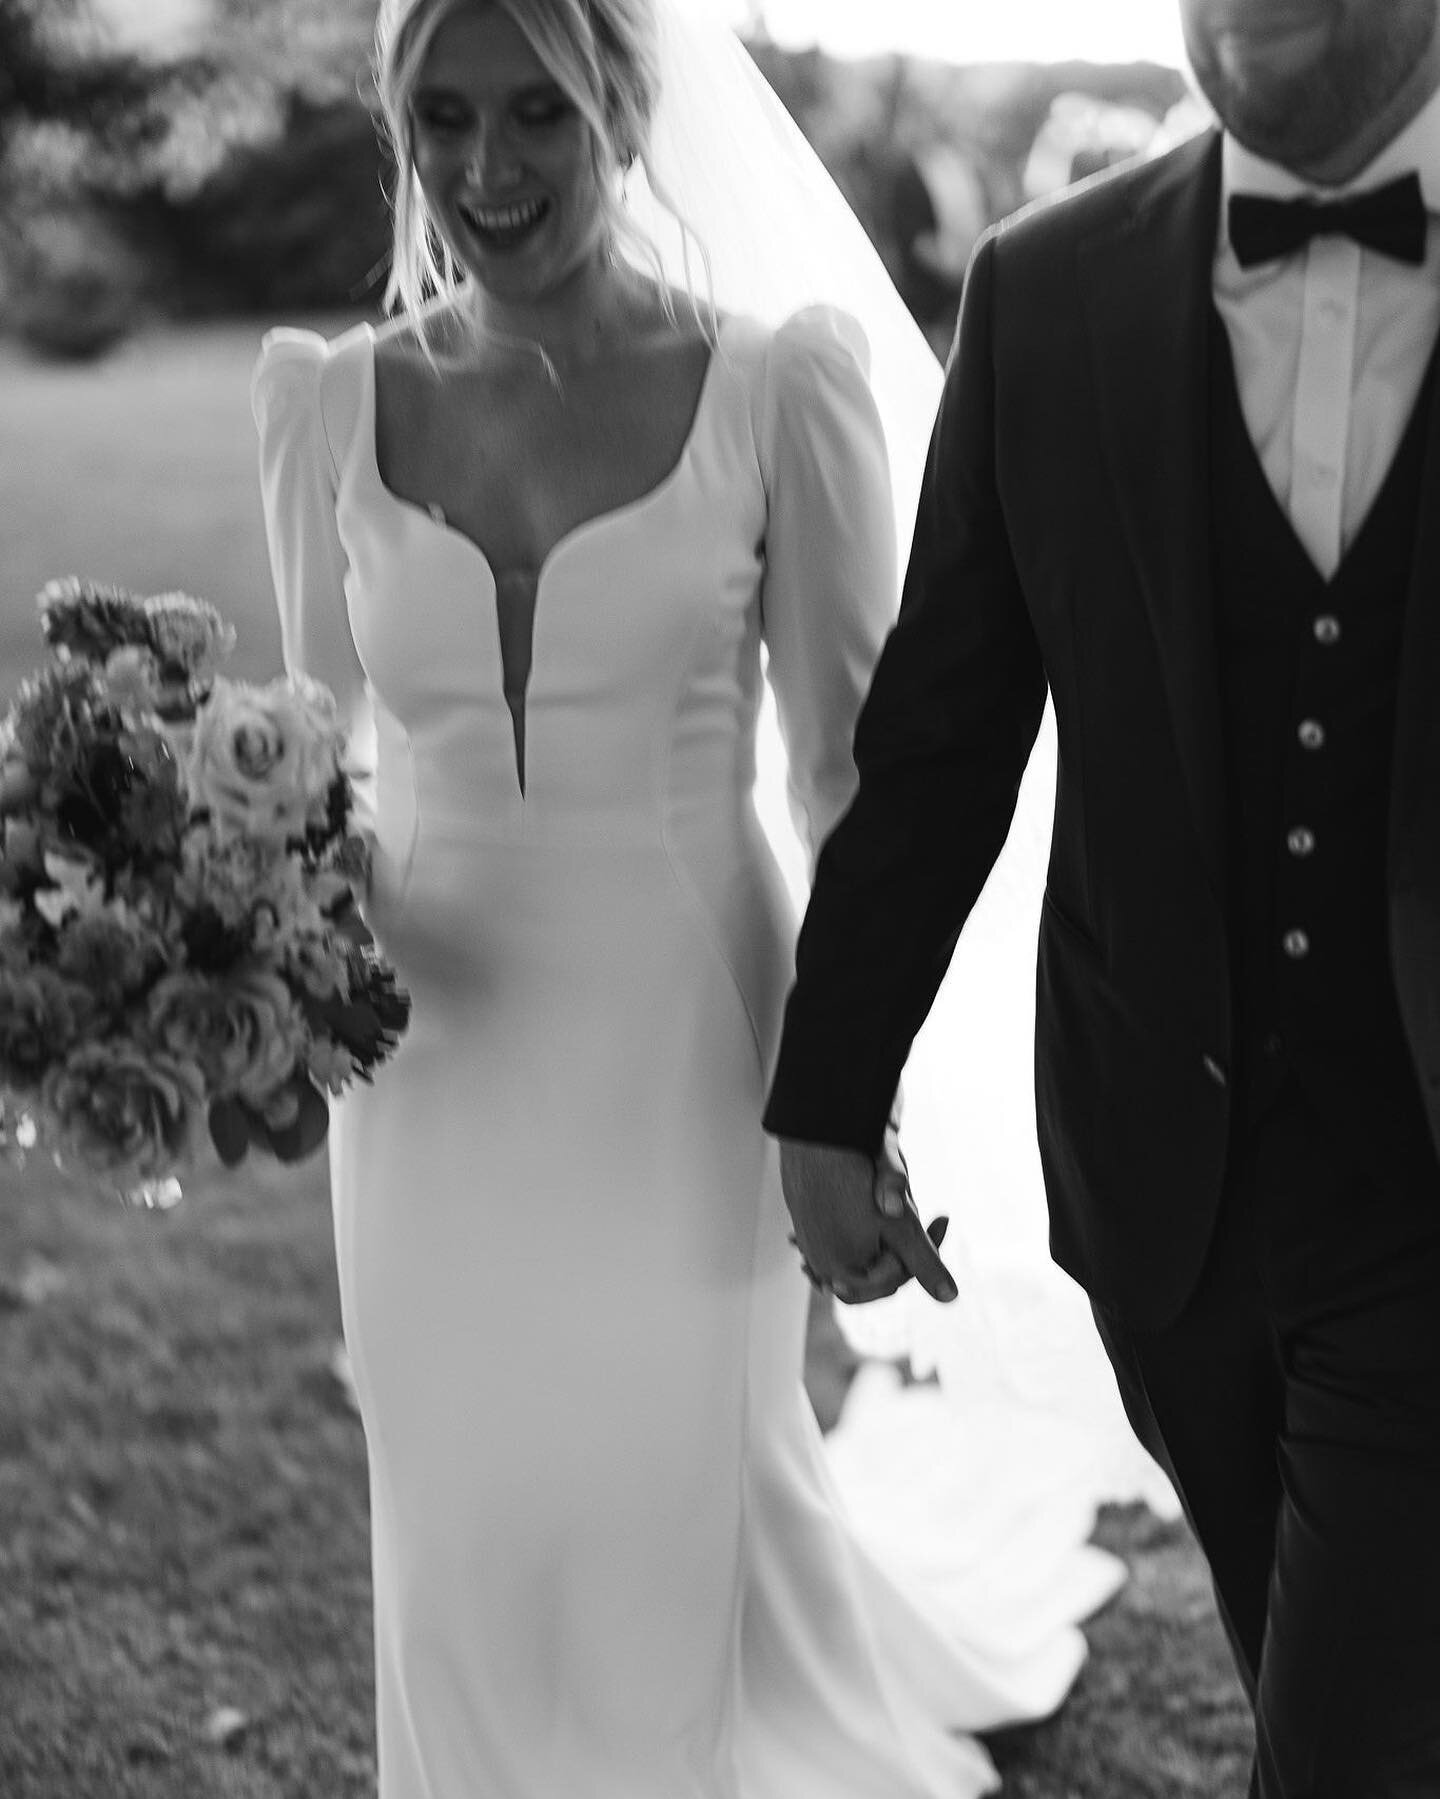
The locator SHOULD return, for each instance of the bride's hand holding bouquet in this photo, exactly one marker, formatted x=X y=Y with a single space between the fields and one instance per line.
x=182 y=964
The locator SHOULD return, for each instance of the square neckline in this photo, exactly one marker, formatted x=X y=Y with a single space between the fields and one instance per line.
x=577 y=533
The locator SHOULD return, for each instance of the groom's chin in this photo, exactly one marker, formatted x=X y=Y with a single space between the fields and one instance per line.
x=1266 y=68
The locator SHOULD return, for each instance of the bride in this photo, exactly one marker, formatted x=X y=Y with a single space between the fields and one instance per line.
x=535 y=534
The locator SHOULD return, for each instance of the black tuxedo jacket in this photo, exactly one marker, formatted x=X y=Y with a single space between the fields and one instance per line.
x=1064 y=537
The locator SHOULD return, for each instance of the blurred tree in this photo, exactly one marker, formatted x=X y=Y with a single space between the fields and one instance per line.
x=239 y=167
x=246 y=176
x=317 y=48
x=73 y=269
x=54 y=63
x=21 y=60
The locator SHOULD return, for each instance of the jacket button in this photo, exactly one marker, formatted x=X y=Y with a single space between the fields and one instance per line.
x=1215 y=1071
x=1296 y=945
x=1327 y=629
x=1312 y=734
x=1300 y=841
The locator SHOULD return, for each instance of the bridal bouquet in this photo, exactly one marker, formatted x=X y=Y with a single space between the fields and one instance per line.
x=181 y=959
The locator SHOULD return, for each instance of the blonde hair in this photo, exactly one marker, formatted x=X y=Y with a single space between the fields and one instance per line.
x=605 y=56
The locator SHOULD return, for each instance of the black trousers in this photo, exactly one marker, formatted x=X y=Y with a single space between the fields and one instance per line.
x=1296 y=1403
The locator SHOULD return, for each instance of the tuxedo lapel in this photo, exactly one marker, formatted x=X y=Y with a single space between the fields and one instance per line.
x=1416 y=776
x=1147 y=289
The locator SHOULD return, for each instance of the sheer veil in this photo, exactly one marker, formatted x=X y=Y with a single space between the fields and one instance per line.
x=768 y=230
x=1023 y=1381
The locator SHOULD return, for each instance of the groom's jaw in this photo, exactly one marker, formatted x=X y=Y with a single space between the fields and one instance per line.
x=1320 y=86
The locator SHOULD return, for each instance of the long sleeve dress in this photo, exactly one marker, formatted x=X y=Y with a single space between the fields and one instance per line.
x=609 y=1562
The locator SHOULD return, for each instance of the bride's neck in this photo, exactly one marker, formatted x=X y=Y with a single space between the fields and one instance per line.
x=574 y=325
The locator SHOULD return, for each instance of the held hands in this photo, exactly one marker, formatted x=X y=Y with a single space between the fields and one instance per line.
x=856 y=1224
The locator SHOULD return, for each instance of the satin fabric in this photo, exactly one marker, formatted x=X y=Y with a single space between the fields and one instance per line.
x=610 y=1559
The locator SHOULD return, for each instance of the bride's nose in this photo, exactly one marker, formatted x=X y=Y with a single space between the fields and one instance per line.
x=493 y=165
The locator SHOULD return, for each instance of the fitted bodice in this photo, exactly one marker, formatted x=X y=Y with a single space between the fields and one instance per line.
x=645 y=671
x=773 y=529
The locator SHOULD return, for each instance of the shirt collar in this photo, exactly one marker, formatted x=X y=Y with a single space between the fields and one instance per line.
x=1417 y=148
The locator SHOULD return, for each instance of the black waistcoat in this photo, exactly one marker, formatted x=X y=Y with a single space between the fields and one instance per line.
x=1309 y=674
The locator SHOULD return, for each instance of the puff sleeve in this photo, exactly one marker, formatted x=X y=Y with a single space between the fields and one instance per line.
x=941 y=746
x=298 y=483
x=831 y=584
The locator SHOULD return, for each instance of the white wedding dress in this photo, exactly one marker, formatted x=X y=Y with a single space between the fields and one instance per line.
x=609 y=1557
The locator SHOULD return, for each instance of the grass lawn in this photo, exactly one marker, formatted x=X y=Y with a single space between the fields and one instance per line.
x=184 y=1578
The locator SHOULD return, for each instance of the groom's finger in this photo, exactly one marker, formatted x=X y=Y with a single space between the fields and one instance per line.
x=908 y=1239
x=885 y=1276
x=902 y=1232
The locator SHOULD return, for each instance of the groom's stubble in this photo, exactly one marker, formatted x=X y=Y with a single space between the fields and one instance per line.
x=1320 y=86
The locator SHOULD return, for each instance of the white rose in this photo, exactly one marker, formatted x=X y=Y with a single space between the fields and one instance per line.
x=132 y=675
x=263 y=759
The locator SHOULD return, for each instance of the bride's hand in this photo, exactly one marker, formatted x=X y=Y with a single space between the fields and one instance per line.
x=856 y=1224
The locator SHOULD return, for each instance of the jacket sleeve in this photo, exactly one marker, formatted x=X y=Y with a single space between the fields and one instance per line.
x=941 y=747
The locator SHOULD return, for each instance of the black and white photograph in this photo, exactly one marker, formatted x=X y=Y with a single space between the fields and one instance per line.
x=719 y=899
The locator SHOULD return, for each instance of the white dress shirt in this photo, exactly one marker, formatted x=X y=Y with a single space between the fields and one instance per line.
x=1331 y=344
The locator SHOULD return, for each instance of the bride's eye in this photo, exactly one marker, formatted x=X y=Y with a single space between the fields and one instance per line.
x=543 y=112
x=440 y=118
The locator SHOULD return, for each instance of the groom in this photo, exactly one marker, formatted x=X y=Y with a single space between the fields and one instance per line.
x=1187 y=474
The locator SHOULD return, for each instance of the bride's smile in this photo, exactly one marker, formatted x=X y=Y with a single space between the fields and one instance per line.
x=509 y=168
x=504 y=228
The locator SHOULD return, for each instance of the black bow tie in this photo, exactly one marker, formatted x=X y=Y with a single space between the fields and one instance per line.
x=1391 y=219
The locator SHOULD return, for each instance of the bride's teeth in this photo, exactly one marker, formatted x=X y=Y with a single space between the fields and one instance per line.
x=506 y=218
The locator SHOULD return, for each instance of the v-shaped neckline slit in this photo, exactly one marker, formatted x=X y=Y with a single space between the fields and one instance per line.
x=436 y=517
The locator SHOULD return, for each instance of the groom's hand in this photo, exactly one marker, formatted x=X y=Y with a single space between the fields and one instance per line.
x=856 y=1224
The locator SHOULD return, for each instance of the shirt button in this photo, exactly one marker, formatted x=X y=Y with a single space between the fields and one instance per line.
x=1300 y=841
x=1297 y=945
x=1215 y=1071
x=1327 y=629
x=1312 y=734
